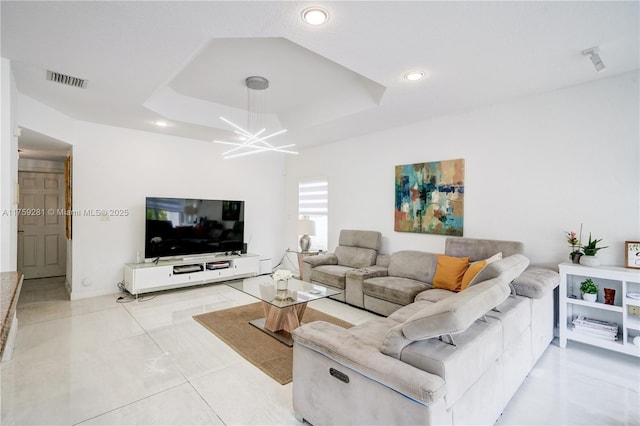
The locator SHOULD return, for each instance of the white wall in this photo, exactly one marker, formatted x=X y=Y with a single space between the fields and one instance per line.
x=8 y=168
x=115 y=168
x=535 y=167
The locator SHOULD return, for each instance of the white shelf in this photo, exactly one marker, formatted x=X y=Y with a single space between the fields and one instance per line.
x=622 y=280
x=596 y=305
x=633 y=322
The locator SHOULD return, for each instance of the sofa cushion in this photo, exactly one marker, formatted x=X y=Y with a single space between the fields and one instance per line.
x=479 y=249
x=434 y=295
x=515 y=315
x=383 y=260
x=508 y=268
x=372 y=332
x=475 y=268
x=535 y=282
x=476 y=351
x=321 y=259
x=362 y=239
x=404 y=313
x=332 y=275
x=394 y=289
x=450 y=271
x=416 y=265
x=355 y=257
x=448 y=316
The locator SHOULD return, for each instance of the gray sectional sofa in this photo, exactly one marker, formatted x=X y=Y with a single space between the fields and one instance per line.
x=439 y=357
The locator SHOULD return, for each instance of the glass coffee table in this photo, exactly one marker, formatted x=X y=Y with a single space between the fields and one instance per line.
x=283 y=310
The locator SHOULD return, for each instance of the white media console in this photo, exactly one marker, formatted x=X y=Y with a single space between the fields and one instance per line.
x=167 y=274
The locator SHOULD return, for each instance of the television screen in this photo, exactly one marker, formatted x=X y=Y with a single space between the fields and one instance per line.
x=183 y=227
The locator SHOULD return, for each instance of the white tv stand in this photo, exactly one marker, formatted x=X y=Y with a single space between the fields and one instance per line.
x=167 y=274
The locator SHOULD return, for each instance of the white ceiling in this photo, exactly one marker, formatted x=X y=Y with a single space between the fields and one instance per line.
x=186 y=62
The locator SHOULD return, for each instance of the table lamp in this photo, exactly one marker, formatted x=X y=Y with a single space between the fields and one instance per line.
x=306 y=227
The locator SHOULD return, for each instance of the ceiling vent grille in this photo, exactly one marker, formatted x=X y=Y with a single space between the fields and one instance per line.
x=66 y=79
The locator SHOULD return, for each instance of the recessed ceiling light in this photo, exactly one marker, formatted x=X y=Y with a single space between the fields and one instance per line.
x=315 y=15
x=161 y=123
x=414 y=76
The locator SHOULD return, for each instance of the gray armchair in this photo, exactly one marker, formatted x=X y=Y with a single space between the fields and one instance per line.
x=356 y=249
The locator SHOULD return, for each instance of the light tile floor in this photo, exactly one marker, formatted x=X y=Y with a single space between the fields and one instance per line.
x=99 y=362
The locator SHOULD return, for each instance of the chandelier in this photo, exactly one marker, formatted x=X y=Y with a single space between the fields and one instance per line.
x=252 y=141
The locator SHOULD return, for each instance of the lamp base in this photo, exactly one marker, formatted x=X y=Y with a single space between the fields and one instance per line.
x=305 y=243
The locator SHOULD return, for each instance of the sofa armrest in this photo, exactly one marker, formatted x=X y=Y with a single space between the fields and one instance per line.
x=535 y=282
x=343 y=347
x=354 y=293
x=321 y=259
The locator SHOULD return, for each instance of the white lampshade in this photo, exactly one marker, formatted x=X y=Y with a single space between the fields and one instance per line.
x=306 y=227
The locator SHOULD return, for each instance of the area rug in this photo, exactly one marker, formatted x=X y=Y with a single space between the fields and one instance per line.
x=265 y=352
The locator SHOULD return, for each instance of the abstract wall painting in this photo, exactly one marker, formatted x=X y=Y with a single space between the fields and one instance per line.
x=430 y=198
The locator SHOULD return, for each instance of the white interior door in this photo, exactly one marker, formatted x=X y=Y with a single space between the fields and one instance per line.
x=41 y=228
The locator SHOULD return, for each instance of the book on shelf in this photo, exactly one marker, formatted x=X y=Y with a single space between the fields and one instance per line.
x=595 y=324
x=588 y=332
x=596 y=328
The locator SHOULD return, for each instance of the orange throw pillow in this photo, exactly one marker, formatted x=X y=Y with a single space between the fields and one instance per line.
x=450 y=271
x=473 y=270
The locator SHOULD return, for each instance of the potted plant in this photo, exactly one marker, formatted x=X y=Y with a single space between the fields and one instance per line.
x=589 y=290
x=590 y=251
x=574 y=242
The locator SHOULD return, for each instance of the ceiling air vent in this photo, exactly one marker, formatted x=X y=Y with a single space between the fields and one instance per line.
x=66 y=79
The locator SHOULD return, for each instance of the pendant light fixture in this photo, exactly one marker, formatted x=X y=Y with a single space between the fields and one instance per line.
x=252 y=140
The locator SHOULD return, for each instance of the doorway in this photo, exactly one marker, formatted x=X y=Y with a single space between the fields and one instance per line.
x=42 y=244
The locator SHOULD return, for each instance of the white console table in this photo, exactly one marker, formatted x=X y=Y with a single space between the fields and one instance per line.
x=167 y=274
x=623 y=281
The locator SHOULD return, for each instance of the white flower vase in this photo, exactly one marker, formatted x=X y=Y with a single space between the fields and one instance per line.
x=589 y=297
x=587 y=260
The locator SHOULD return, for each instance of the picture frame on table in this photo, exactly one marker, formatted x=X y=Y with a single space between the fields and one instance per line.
x=632 y=254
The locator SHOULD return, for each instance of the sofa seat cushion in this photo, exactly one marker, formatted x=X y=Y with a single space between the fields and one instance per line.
x=394 y=289
x=475 y=351
x=332 y=275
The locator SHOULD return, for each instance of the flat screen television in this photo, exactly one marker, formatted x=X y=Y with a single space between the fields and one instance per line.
x=183 y=227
